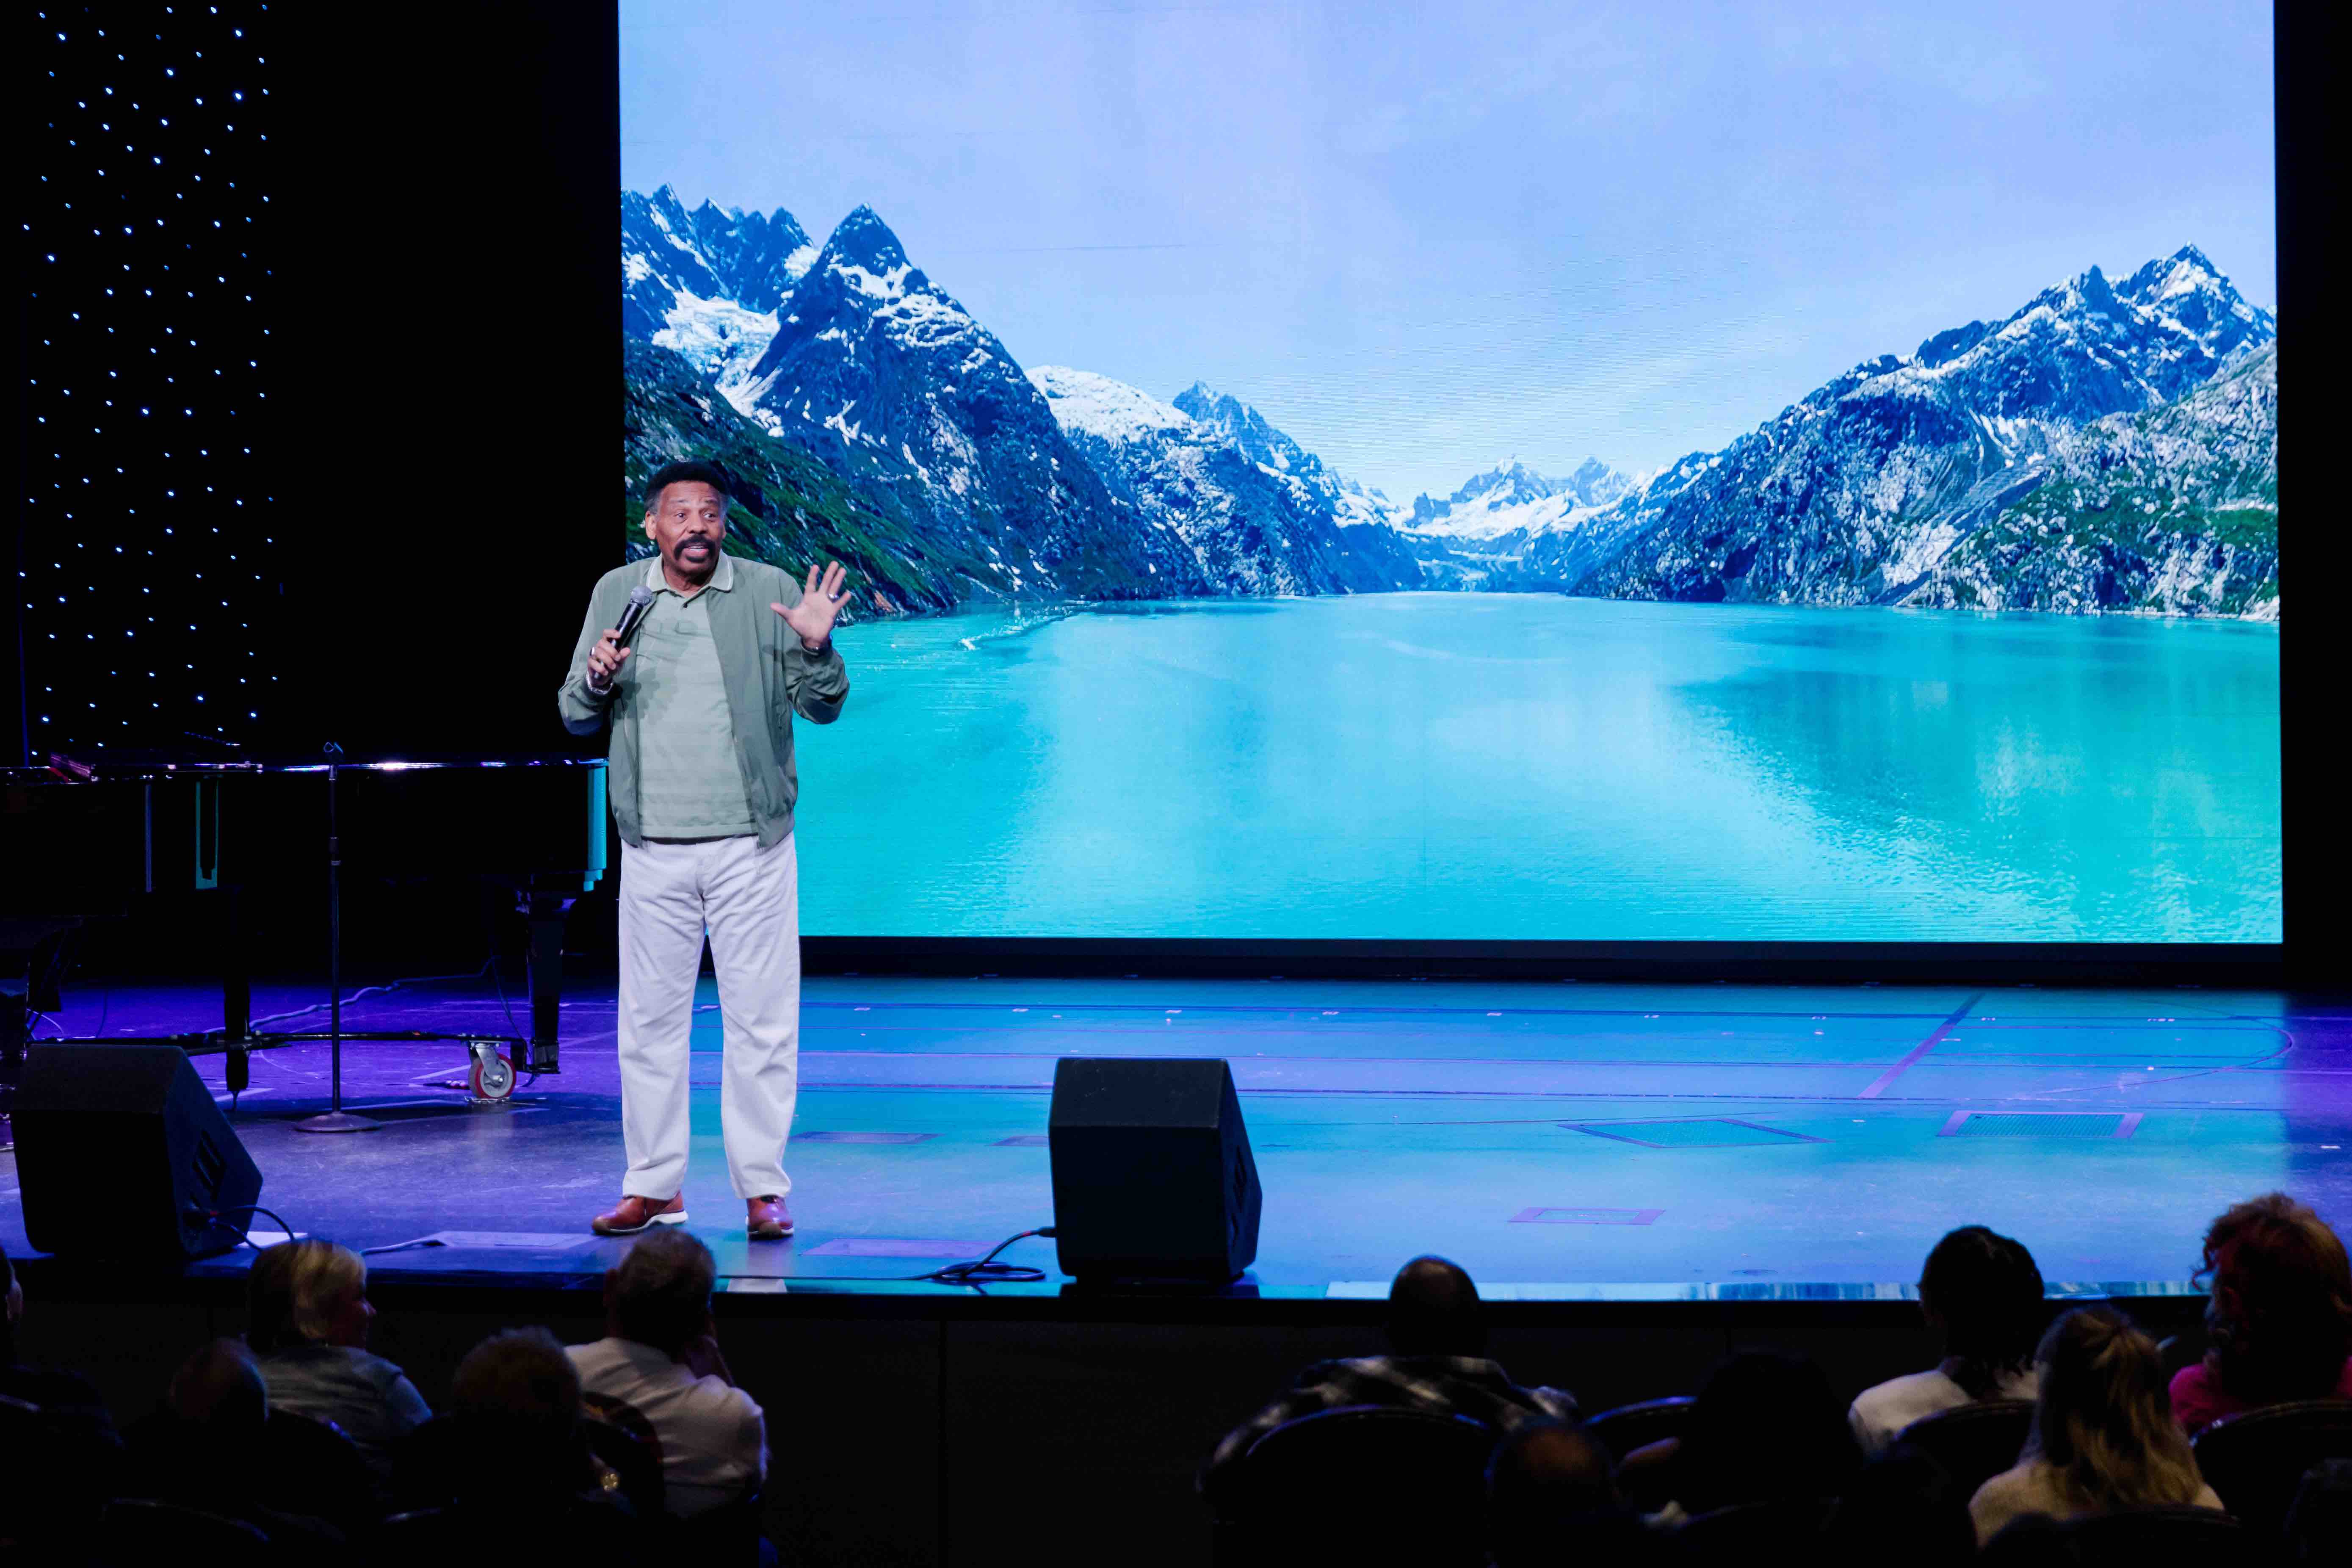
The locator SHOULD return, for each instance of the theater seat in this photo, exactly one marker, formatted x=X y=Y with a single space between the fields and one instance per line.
x=1974 y=1443
x=309 y=1466
x=1630 y=1426
x=1361 y=1483
x=1756 y=1533
x=2256 y=1460
x=2155 y=1538
x=146 y=1531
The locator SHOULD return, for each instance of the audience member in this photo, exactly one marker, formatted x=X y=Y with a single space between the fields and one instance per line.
x=515 y=1459
x=64 y=1399
x=219 y=1389
x=1549 y=1484
x=2103 y=1439
x=1765 y=1428
x=207 y=1450
x=660 y=1359
x=2279 y=1322
x=1437 y=1343
x=520 y=1394
x=1983 y=1294
x=62 y=1455
x=308 y=1316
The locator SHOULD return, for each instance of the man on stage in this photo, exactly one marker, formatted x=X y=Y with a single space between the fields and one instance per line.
x=700 y=701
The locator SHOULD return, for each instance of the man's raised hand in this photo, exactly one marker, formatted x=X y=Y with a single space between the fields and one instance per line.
x=821 y=601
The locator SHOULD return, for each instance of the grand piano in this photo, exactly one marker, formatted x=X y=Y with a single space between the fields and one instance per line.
x=85 y=840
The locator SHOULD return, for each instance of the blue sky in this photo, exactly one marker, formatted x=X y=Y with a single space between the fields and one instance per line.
x=1422 y=238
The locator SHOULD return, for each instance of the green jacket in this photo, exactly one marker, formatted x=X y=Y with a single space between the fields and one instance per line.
x=769 y=677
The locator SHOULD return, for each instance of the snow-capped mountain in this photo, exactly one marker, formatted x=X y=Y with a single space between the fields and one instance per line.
x=1254 y=526
x=706 y=283
x=1511 y=498
x=2086 y=348
x=1352 y=503
x=1860 y=492
x=872 y=360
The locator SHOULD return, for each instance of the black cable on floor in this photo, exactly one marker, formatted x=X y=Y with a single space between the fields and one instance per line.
x=245 y=1231
x=987 y=1270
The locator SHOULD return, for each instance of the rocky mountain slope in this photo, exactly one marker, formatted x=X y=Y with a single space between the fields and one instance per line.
x=1353 y=504
x=873 y=362
x=1254 y=525
x=1860 y=493
x=789 y=506
x=2172 y=510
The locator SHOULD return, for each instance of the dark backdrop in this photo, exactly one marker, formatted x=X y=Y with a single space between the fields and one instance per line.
x=317 y=343
x=457 y=324
x=2314 y=552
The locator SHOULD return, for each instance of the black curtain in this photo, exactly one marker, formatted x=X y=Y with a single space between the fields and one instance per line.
x=2313 y=550
x=459 y=334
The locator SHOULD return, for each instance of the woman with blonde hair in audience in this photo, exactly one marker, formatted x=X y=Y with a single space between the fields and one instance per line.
x=307 y=1316
x=2103 y=1438
x=2279 y=1322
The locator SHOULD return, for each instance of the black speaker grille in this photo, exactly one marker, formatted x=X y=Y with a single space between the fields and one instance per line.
x=211 y=1167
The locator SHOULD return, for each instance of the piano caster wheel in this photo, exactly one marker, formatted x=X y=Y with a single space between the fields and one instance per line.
x=492 y=1076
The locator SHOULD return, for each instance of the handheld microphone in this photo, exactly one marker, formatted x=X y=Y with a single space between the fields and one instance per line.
x=641 y=602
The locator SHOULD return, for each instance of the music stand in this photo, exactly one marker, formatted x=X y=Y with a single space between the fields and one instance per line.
x=335 y=1119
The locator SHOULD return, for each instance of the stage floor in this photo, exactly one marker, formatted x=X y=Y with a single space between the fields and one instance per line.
x=1562 y=1141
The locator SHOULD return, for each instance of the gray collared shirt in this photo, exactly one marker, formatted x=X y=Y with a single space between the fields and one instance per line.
x=689 y=785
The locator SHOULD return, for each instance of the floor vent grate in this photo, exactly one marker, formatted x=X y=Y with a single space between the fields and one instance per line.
x=2039 y=1124
x=1714 y=1133
x=865 y=1137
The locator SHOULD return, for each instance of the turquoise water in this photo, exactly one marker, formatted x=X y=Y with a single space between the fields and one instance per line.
x=1439 y=765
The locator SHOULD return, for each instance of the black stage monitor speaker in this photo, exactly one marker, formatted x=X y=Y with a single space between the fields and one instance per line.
x=120 y=1152
x=1153 y=1173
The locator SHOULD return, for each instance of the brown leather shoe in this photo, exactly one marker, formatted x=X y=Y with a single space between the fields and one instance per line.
x=769 y=1219
x=634 y=1214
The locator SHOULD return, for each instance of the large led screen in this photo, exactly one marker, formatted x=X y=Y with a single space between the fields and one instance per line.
x=1764 y=472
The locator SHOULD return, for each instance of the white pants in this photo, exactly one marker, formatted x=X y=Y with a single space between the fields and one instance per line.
x=747 y=898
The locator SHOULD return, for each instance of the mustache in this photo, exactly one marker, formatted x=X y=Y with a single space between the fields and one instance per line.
x=687 y=539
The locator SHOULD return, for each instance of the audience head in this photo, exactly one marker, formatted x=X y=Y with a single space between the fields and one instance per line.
x=659 y=1295
x=521 y=1374
x=307 y=1292
x=1546 y=1477
x=219 y=1389
x=1985 y=1293
x=2102 y=1420
x=519 y=1394
x=1433 y=1311
x=1766 y=1428
x=2280 y=1319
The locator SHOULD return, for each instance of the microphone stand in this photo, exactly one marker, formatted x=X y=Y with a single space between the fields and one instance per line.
x=335 y=1119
